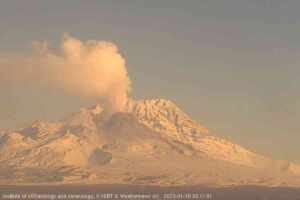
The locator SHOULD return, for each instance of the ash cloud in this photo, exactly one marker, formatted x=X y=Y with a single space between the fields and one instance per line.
x=93 y=69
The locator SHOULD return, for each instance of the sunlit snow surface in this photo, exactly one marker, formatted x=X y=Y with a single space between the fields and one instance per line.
x=152 y=142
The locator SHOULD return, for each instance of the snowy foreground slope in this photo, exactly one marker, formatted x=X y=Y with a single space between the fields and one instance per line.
x=152 y=142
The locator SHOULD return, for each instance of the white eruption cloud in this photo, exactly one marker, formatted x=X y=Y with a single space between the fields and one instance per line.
x=86 y=68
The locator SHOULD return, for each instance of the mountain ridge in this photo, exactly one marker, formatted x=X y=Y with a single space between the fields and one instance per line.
x=150 y=142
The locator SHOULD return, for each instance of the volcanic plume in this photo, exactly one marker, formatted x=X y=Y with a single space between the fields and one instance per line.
x=93 y=69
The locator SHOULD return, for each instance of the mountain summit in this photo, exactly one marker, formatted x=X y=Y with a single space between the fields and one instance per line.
x=151 y=142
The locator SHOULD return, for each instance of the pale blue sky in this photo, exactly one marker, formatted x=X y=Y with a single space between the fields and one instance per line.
x=232 y=64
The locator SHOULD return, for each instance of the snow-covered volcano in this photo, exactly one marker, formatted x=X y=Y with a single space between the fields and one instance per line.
x=152 y=142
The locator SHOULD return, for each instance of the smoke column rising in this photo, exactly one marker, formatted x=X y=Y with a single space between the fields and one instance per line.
x=91 y=68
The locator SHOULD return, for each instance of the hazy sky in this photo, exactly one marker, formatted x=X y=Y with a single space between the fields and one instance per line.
x=232 y=65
